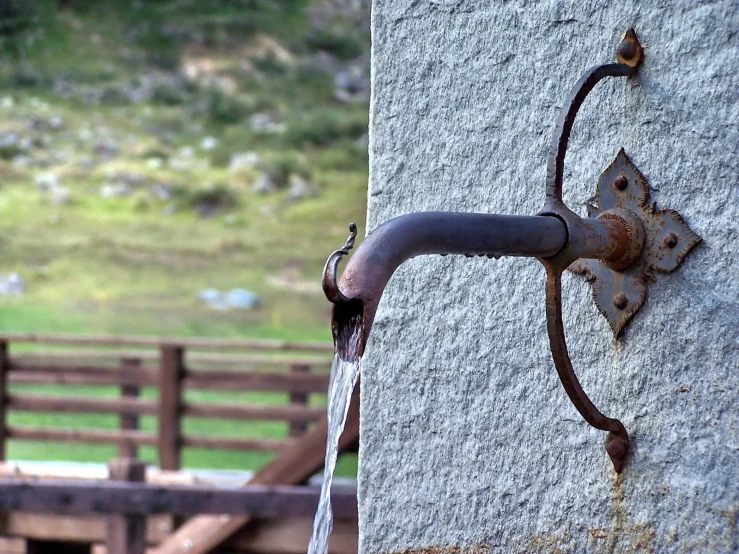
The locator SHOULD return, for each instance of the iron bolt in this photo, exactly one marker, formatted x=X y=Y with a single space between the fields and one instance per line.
x=626 y=50
x=670 y=240
x=620 y=301
x=621 y=182
x=616 y=449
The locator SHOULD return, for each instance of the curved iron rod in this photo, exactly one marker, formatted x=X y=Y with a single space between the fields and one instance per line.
x=629 y=55
x=329 y=283
x=618 y=439
x=561 y=136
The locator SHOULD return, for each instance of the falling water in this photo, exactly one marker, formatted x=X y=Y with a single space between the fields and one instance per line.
x=344 y=374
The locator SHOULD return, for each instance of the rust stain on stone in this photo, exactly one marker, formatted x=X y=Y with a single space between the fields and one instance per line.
x=476 y=549
x=599 y=533
x=546 y=545
x=623 y=536
x=537 y=544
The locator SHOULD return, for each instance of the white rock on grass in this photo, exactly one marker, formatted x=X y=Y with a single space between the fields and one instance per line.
x=115 y=190
x=208 y=143
x=265 y=123
x=244 y=160
x=12 y=285
x=60 y=195
x=299 y=188
x=242 y=299
x=264 y=185
x=46 y=181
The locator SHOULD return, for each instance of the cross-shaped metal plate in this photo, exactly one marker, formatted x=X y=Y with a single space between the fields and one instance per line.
x=668 y=240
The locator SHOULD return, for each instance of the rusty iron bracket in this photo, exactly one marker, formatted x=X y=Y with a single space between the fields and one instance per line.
x=619 y=289
x=655 y=240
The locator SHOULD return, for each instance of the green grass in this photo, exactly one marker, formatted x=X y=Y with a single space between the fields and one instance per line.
x=134 y=265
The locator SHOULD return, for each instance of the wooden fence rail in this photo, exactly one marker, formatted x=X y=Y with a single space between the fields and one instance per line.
x=184 y=342
x=115 y=497
x=170 y=369
x=126 y=499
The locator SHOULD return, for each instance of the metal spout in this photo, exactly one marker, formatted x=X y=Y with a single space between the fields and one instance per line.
x=357 y=294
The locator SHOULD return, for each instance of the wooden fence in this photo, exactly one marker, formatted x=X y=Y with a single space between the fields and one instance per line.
x=172 y=367
x=126 y=500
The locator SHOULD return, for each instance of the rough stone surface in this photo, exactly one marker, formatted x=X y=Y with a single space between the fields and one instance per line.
x=467 y=437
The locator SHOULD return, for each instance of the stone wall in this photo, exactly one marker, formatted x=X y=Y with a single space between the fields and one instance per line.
x=467 y=436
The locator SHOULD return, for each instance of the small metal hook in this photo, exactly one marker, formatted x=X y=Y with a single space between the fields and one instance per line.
x=330 y=285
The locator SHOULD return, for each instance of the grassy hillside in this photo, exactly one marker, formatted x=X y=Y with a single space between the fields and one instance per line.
x=152 y=149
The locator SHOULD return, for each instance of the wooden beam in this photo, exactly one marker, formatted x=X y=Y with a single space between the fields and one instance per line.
x=155 y=342
x=129 y=421
x=256 y=412
x=138 y=406
x=81 y=404
x=74 y=528
x=294 y=465
x=171 y=373
x=153 y=475
x=77 y=356
x=73 y=435
x=206 y=379
x=4 y=367
x=114 y=497
x=201 y=379
x=225 y=443
x=126 y=533
x=298 y=398
x=79 y=375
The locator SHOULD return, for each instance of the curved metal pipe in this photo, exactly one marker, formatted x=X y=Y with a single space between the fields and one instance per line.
x=358 y=293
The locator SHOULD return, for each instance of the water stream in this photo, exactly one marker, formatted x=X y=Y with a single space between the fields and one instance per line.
x=344 y=375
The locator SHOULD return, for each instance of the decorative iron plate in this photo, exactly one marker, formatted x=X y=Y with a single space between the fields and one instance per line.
x=668 y=240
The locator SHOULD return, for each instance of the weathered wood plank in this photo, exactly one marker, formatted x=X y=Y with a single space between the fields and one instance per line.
x=75 y=435
x=110 y=497
x=155 y=342
x=205 y=379
x=74 y=528
x=256 y=412
x=226 y=443
x=79 y=375
x=139 y=406
x=297 y=428
x=126 y=533
x=4 y=367
x=129 y=421
x=153 y=475
x=171 y=373
x=113 y=357
x=81 y=404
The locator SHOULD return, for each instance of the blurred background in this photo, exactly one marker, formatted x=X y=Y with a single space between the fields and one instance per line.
x=176 y=168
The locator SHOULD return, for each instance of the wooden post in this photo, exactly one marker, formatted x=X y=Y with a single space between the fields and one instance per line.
x=129 y=422
x=126 y=533
x=297 y=429
x=4 y=367
x=171 y=374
